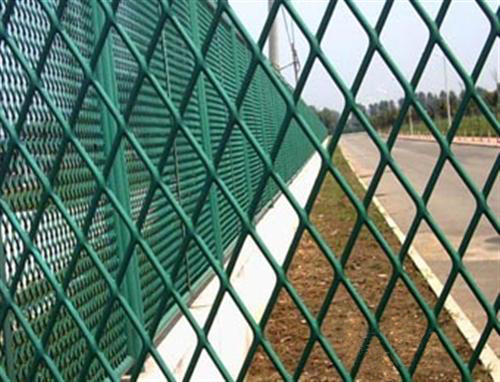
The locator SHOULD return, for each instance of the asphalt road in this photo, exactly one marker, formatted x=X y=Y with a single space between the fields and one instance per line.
x=451 y=205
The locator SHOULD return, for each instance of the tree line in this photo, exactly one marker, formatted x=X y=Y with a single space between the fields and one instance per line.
x=384 y=113
x=330 y=118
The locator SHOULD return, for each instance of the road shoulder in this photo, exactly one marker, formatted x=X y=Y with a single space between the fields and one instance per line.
x=468 y=330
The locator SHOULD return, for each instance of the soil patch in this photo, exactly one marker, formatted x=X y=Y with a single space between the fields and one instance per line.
x=403 y=322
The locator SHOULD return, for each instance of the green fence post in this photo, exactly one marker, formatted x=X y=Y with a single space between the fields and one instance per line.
x=131 y=287
x=205 y=128
x=178 y=188
x=239 y=76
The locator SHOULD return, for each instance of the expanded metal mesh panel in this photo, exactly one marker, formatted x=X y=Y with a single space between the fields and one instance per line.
x=22 y=192
x=140 y=140
x=150 y=123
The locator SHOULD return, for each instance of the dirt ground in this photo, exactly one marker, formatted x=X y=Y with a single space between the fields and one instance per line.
x=403 y=322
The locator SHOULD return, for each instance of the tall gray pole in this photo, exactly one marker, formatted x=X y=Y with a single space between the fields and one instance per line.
x=273 y=41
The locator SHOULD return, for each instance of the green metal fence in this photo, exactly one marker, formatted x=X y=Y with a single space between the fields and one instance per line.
x=138 y=142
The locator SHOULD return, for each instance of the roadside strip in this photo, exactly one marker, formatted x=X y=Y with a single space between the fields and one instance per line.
x=476 y=141
x=488 y=357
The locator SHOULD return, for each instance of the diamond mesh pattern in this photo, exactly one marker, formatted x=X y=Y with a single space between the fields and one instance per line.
x=139 y=140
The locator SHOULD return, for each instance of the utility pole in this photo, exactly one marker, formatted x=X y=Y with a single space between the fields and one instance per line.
x=273 y=41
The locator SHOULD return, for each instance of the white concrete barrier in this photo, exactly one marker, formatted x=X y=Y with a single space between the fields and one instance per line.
x=253 y=279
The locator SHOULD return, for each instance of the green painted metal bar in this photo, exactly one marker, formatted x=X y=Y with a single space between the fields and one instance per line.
x=175 y=155
x=265 y=124
x=474 y=359
x=239 y=75
x=205 y=128
x=118 y=180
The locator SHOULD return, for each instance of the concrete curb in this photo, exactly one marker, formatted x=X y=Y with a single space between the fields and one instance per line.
x=474 y=141
x=488 y=357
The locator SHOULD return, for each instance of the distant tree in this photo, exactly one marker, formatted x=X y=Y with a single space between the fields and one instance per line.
x=362 y=108
x=329 y=118
x=490 y=98
x=442 y=104
x=383 y=113
x=432 y=105
x=422 y=98
x=453 y=102
x=401 y=101
x=392 y=113
x=353 y=125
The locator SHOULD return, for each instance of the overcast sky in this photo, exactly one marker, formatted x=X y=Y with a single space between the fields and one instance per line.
x=465 y=28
